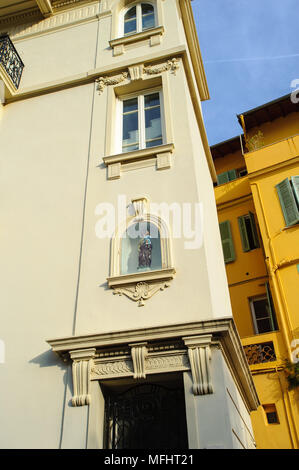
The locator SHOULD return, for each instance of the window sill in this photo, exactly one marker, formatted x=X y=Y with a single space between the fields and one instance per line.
x=153 y=34
x=288 y=227
x=165 y=274
x=160 y=155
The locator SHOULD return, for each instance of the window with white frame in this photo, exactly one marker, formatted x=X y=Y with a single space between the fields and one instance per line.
x=141 y=117
x=138 y=18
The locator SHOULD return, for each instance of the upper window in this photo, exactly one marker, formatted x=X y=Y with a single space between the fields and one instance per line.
x=248 y=232
x=288 y=193
x=231 y=175
x=271 y=414
x=139 y=18
x=263 y=313
x=141 y=122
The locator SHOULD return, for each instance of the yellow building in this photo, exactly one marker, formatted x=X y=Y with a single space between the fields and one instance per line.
x=257 y=197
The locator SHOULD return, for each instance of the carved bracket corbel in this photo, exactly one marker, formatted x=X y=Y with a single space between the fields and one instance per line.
x=139 y=353
x=199 y=353
x=81 y=368
x=106 y=81
x=141 y=291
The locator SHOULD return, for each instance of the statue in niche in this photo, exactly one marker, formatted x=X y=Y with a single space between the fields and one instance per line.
x=145 y=252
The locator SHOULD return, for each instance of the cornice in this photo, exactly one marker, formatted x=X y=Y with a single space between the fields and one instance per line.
x=23 y=17
x=92 y=75
x=273 y=168
x=194 y=49
x=44 y=9
x=222 y=332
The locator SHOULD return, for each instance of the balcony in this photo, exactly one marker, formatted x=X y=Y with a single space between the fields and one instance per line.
x=260 y=353
x=11 y=65
x=265 y=351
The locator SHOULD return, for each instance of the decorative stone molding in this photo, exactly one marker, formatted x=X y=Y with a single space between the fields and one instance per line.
x=108 y=369
x=45 y=7
x=51 y=23
x=140 y=205
x=81 y=368
x=171 y=65
x=199 y=353
x=160 y=155
x=166 y=347
x=141 y=291
x=177 y=361
x=153 y=35
x=106 y=81
x=139 y=353
x=138 y=72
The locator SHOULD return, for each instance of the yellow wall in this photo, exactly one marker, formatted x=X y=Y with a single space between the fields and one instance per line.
x=246 y=275
x=231 y=161
x=278 y=129
x=276 y=160
x=281 y=243
x=271 y=436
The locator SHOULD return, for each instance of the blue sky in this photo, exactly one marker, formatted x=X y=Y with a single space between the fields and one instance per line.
x=250 y=50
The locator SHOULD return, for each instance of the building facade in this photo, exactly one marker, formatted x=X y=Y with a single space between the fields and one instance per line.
x=257 y=200
x=117 y=327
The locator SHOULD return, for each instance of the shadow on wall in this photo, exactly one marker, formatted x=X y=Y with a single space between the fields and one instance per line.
x=50 y=359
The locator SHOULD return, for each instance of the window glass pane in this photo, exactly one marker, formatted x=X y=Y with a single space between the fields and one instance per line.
x=153 y=143
x=148 y=21
x=130 y=13
x=264 y=326
x=130 y=27
x=151 y=100
x=147 y=8
x=130 y=124
x=130 y=148
x=153 y=128
x=261 y=308
x=130 y=105
x=272 y=417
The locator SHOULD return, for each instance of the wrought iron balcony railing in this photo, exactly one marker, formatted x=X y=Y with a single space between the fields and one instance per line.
x=260 y=353
x=10 y=60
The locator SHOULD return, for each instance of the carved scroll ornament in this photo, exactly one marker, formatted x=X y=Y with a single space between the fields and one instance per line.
x=141 y=291
x=137 y=72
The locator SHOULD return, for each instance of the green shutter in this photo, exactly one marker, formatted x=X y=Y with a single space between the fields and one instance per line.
x=254 y=230
x=288 y=202
x=227 y=176
x=243 y=233
x=232 y=175
x=227 y=242
x=295 y=183
x=223 y=178
x=271 y=309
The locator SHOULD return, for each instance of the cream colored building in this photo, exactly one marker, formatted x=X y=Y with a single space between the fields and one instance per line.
x=107 y=114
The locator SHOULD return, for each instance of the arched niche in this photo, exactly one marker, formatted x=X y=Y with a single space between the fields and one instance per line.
x=128 y=275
